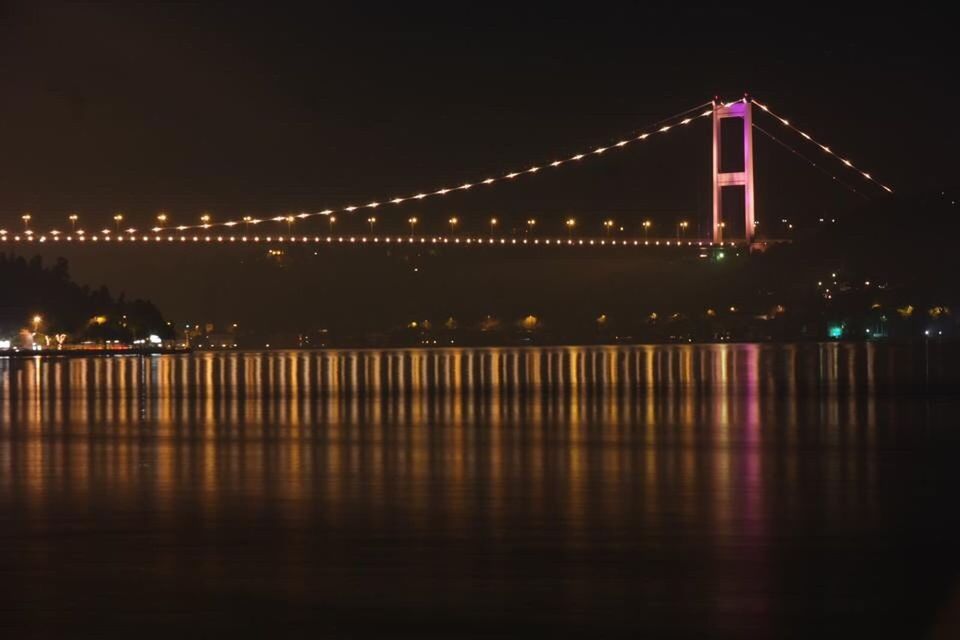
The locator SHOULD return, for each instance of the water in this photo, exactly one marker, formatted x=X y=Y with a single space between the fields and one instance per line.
x=718 y=491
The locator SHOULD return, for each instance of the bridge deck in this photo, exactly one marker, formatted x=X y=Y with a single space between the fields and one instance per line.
x=455 y=240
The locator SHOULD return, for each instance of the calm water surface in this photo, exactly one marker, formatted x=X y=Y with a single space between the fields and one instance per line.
x=712 y=491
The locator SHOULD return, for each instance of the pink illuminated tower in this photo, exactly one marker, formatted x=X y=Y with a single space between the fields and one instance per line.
x=738 y=109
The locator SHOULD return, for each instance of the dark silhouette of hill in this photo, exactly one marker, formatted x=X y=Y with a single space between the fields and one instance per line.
x=908 y=244
x=30 y=288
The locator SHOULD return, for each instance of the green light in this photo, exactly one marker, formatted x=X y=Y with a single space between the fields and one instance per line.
x=835 y=330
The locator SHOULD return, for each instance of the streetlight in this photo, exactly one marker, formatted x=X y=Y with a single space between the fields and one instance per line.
x=37 y=319
x=205 y=219
x=571 y=223
x=26 y=221
x=646 y=229
x=607 y=226
x=721 y=226
x=372 y=220
x=246 y=223
x=682 y=228
x=332 y=220
x=413 y=224
x=493 y=225
x=453 y=224
x=162 y=219
x=531 y=223
x=290 y=220
x=117 y=219
x=73 y=221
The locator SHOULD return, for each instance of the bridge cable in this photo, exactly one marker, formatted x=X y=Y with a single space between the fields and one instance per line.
x=823 y=147
x=679 y=119
x=809 y=161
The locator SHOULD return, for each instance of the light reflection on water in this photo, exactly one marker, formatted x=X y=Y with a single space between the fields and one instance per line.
x=681 y=477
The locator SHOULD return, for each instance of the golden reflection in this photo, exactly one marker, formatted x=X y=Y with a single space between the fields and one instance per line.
x=479 y=435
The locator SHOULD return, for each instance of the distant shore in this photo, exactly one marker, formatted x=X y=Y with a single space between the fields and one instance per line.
x=86 y=353
x=111 y=353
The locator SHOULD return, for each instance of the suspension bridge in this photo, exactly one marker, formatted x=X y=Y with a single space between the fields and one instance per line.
x=247 y=230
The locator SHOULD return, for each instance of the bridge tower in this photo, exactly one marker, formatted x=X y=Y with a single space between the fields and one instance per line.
x=739 y=109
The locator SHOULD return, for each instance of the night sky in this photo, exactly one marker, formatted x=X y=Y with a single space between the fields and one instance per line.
x=266 y=110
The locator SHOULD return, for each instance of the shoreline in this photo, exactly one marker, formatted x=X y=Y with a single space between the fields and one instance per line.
x=104 y=353
x=86 y=353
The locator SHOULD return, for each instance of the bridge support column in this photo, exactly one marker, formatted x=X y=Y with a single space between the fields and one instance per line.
x=739 y=109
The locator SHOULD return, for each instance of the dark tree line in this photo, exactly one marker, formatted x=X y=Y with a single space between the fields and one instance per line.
x=27 y=287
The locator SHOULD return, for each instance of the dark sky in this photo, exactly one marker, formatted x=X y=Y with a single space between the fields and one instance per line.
x=266 y=109
x=263 y=110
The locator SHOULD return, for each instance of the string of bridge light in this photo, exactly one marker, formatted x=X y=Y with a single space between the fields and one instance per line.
x=822 y=146
x=673 y=122
x=809 y=161
x=190 y=240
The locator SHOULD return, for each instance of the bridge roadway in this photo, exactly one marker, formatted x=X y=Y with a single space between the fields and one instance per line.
x=368 y=240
